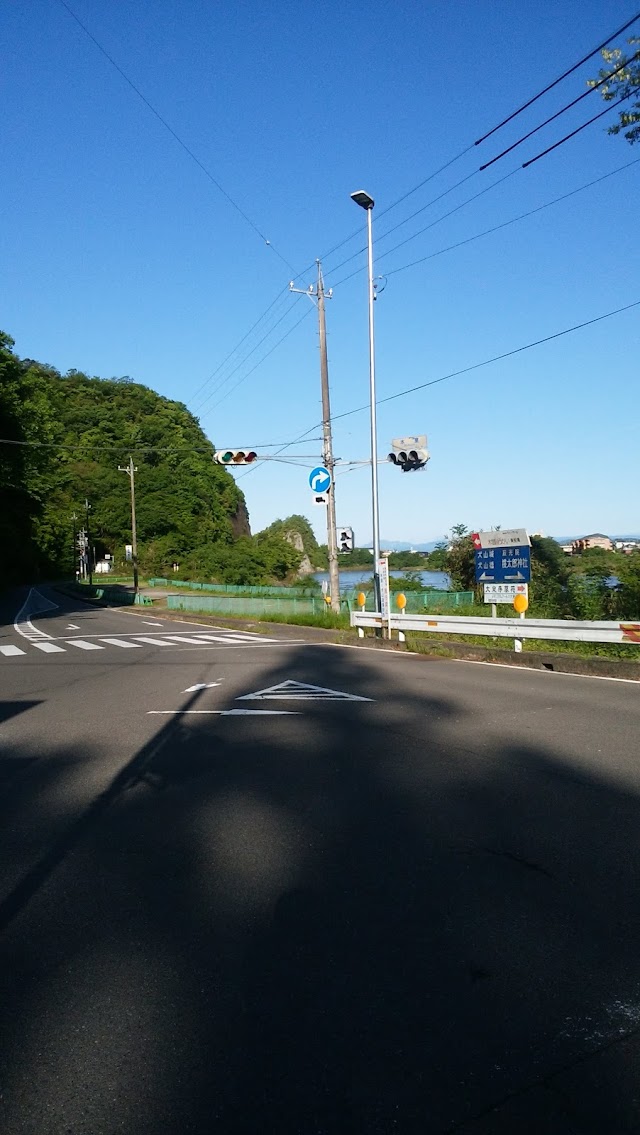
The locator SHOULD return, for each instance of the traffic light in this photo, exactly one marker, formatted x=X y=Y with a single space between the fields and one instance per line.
x=345 y=540
x=234 y=457
x=409 y=452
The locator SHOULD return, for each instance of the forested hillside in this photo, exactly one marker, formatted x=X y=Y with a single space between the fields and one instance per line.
x=63 y=439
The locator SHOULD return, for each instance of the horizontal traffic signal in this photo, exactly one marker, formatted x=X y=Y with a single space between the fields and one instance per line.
x=234 y=457
x=409 y=453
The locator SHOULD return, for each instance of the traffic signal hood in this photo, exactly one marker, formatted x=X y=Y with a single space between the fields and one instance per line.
x=234 y=457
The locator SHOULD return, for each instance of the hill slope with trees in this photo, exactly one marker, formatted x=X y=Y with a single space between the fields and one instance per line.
x=63 y=438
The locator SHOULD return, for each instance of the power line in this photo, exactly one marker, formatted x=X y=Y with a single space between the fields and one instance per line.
x=505 y=224
x=221 y=382
x=174 y=134
x=488 y=362
x=281 y=293
x=574 y=132
x=555 y=82
x=260 y=361
x=128 y=448
x=558 y=113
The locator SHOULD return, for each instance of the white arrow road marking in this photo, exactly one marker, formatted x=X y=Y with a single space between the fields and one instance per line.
x=229 y=712
x=73 y=627
x=200 y=686
x=300 y=691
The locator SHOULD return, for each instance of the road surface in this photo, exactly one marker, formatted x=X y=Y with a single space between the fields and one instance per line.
x=253 y=885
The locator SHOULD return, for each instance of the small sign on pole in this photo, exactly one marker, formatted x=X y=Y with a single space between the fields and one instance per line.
x=504 y=592
x=385 y=601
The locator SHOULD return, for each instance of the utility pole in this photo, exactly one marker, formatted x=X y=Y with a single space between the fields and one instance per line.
x=87 y=508
x=327 y=456
x=130 y=470
x=74 y=550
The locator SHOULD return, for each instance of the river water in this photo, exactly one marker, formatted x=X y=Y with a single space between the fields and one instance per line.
x=349 y=578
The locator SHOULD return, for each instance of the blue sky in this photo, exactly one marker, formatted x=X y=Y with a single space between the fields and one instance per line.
x=120 y=255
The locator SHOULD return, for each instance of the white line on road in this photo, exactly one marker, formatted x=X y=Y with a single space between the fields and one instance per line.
x=22 y=621
x=49 y=647
x=10 y=650
x=73 y=627
x=121 y=642
x=80 y=642
x=152 y=641
x=201 y=686
x=228 y=712
x=150 y=624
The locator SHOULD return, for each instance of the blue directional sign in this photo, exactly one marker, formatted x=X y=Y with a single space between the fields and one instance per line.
x=503 y=565
x=319 y=479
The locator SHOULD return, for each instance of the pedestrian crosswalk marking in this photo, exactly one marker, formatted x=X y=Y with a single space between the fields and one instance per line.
x=121 y=642
x=133 y=641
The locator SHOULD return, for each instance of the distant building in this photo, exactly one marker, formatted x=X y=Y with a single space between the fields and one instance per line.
x=631 y=545
x=594 y=540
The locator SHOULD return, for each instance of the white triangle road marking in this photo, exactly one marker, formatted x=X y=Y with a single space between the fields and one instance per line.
x=300 y=691
x=227 y=712
x=73 y=627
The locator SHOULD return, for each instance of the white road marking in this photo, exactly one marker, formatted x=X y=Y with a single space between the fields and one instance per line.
x=200 y=686
x=24 y=626
x=73 y=627
x=150 y=624
x=300 y=691
x=10 y=650
x=181 y=638
x=235 y=638
x=152 y=641
x=228 y=712
x=80 y=642
x=121 y=642
x=49 y=647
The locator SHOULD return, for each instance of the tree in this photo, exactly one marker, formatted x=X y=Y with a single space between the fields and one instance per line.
x=460 y=562
x=622 y=85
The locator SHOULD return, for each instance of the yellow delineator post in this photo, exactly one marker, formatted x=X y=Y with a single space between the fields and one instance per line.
x=361 y=599
x=401 y=602
x=520 y=603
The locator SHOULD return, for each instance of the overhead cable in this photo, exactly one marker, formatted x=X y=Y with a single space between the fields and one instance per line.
x=207 y=172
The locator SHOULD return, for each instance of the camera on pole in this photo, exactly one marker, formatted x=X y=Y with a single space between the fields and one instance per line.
x=409 y=452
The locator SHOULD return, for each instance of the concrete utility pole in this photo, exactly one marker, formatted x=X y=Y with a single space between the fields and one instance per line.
x=327 y=456
x=332 y=535
x=87 y=508
x=74 y=544
x=130 y=470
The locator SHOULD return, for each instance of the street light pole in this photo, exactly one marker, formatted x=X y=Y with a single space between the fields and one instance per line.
x=366 y=202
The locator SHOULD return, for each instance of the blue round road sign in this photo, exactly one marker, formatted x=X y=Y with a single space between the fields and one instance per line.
x=319 y=479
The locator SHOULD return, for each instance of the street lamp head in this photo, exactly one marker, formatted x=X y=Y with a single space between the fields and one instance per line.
x=363 y=199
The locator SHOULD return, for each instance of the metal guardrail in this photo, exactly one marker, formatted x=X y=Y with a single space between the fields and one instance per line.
x=555 y=629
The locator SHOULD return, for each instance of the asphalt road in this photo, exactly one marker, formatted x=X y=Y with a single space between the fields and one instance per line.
x=251 y=885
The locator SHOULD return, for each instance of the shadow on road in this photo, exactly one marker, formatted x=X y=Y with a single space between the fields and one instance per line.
x=358 y=919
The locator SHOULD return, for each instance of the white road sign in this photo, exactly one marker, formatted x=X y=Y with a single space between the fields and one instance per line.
x=504 y=592
x=501 y=539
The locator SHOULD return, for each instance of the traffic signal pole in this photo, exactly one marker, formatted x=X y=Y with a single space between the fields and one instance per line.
x=332 y=534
